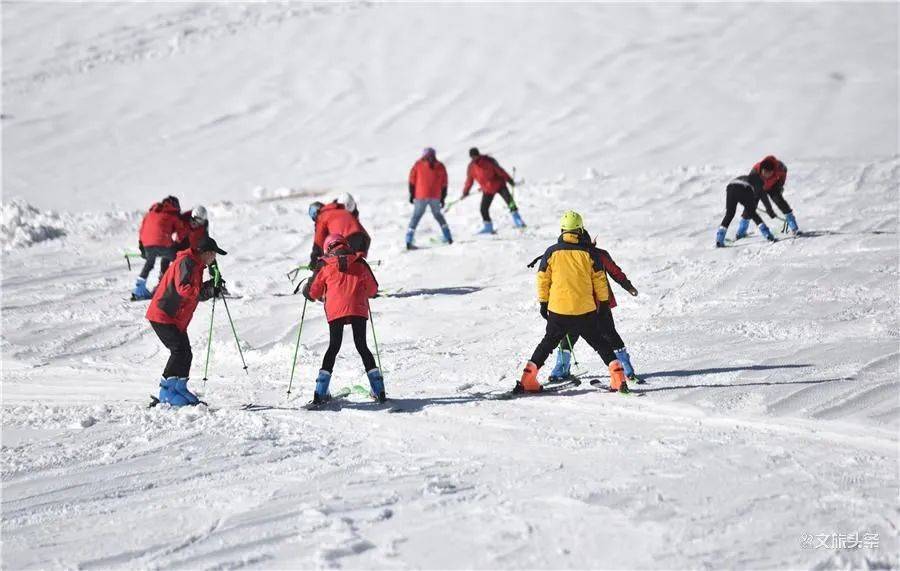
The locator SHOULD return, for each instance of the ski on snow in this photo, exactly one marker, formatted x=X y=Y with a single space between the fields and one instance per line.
x=597 y=383
x=569 y=383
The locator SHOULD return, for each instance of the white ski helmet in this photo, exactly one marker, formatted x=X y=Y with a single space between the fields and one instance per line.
x=199 y=213
x=348 y=201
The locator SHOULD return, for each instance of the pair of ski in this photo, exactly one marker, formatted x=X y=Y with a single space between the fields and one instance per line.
x=334 y=403
x=557 y=386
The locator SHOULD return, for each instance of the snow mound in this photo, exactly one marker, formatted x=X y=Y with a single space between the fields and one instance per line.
x=24 y=225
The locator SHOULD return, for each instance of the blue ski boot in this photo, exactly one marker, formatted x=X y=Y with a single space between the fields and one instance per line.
x=720 y=237
x=409 y=239
x=168 y=393
x=140 y=290
x=792 y=223
x=376 y=381
x=488 y=228
x=448 y=238
x=517 y=219
x=563 y=363
x=743 y=225
x=764 y=230
x=321 y=395
x=322 y=382
x=182 y=389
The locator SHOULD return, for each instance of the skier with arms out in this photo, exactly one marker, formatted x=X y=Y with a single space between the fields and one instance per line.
x=158 y=238
x=427 y=190
x=774 y=174
x=570 y=283
x=172 y=309
x=607 y=324
x=493 y=180
x=744 y=190
x=346 y=283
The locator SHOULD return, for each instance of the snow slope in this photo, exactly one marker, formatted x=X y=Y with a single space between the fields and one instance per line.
x=109 y=104
x=772 y=397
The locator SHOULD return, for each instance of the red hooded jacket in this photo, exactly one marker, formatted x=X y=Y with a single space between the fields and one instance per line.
x=779 y=177
x=346 y=282
x=158 y=226
x=178 y=292
x=489 y=174
x=428 y=180
x=333 y=218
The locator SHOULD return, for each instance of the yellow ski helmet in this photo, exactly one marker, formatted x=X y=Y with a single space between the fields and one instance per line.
x=571 y=221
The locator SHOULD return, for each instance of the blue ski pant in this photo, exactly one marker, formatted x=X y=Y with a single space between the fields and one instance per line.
x=419 y=207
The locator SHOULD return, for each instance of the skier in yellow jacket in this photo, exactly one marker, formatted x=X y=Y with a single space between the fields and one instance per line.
x=570 y=283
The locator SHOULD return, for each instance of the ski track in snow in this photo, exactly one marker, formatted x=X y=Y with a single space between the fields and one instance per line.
x=771 y=406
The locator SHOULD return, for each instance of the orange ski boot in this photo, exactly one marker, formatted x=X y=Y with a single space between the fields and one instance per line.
x=617 y=377
x=529 y=382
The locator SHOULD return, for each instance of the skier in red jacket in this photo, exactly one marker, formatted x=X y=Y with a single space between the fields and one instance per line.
x=195 y=227
x=159 y=235
x=171 y=310
x=493 y=180
x=427 y=189
x=333 y=218
x=774 y=174
x=346 y=282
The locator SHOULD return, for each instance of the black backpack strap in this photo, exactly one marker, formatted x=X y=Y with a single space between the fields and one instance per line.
x=535 y=261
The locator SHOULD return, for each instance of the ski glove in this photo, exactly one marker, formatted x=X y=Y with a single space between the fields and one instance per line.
x=141 y=248
x=512 y=183
x=306 y=290
x=544 y=310
x=633 y=291
x=209 y=290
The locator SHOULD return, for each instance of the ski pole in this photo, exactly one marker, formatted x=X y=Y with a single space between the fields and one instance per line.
x=209 y=342
x=572 y=351
x=450 y=204
x=374 y=337
x=297 y=345
x=128 y=256
x=228 y=313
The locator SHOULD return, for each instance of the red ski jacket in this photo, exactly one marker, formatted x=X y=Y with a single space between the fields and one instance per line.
x=159 y=225
x=489 y=174
x=178 y=292
x=346 y=282
x=615 y=272
x=428 y=180
x=333 y=218
x=778 y=179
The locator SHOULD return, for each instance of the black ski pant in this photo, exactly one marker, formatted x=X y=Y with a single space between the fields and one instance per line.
x=607 y=329
x=179 y=346
x=165 y=255
x=777 y=196
x=739 y=194
x=487 y=199
x=558 y=326
x=336 y=334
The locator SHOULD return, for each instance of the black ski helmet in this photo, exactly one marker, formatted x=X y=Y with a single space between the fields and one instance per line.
x=173 y=200
x=473 y=152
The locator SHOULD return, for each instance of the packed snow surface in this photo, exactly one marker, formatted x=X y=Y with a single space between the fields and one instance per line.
x=771 y=411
